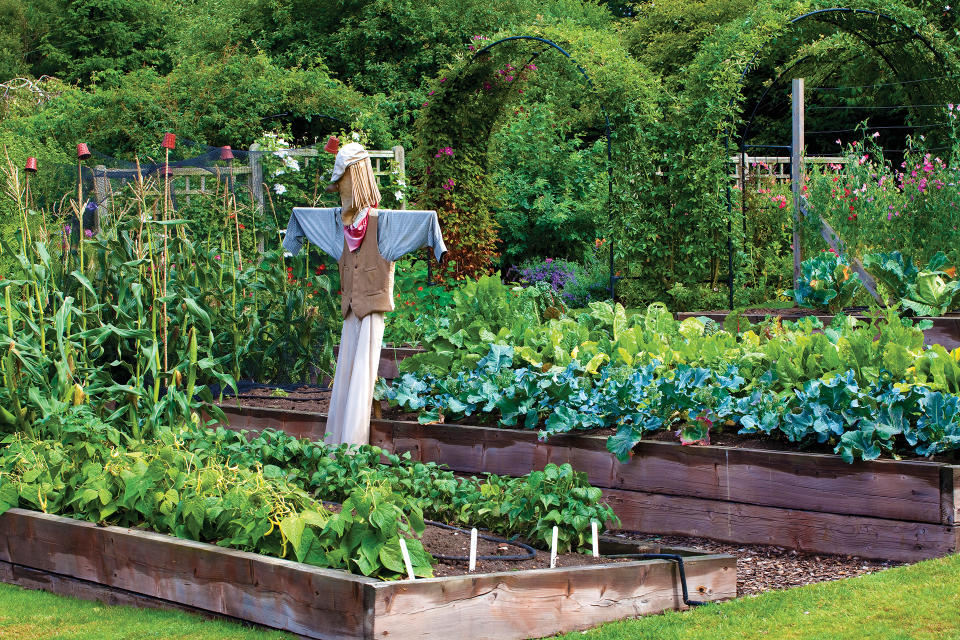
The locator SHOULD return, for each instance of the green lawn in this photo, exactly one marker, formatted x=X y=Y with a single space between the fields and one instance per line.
x=908 y=603
x=36 y=615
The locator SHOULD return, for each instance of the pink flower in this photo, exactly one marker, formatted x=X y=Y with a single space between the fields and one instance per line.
x=431 y=93
x=876 y=134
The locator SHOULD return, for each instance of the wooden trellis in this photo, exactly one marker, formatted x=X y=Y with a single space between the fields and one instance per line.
x=194 y=181
x=776 y=167
x=377 y=157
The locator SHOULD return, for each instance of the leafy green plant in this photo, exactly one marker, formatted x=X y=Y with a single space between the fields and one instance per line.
x=96 y=473
x=482 y=312
x=826 y=282
x=930 y=291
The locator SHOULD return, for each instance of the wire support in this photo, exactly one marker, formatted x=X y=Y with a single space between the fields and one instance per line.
x=945 y=105
x=884 y=84
x=892 y=126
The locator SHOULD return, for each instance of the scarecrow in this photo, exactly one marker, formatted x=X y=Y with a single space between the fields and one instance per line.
x=365 y=242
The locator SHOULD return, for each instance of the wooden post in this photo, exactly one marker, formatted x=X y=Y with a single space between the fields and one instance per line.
x=256 y=177
x=400 y=164
x=102 y=187
x=796 y=173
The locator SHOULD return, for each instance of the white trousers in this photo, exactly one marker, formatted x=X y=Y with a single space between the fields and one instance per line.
x=348 y=420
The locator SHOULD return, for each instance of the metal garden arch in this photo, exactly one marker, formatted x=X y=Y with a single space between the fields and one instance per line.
x=829 y=16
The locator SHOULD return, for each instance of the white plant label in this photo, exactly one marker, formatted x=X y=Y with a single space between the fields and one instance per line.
x=406 y=559
x=473 y=550
x=596 y=539
x=553 y=548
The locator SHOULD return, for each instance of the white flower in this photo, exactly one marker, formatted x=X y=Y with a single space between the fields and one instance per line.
x=279 y=189
x=277 y=172
x=355 y=136
x=398 y=195
x=401 y=183
x=282 y=142
x=280 y=153
x=291 y=163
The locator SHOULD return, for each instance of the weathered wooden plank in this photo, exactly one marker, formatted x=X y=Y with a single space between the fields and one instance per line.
x=73 y=587
x=301 y=424
x=509 y=605
x=315 y=602
x=950 y=494
x=902 y=490
x=884 y=489
x=802 y=530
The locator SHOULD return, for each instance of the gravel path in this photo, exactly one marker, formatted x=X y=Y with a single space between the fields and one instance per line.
x=766 y=568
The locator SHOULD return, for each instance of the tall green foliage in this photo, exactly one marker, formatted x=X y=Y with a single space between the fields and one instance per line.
x=471 y=97
x=553 y=187
x=219 y=100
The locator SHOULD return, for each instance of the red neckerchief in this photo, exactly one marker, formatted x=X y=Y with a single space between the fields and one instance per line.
x=355 y=234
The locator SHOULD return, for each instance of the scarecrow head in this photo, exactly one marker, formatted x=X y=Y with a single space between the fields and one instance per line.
x=353 y=177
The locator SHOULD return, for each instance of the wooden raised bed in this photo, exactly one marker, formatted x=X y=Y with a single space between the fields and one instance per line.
x=120 y=565
x=883 y=509
x=390 y=358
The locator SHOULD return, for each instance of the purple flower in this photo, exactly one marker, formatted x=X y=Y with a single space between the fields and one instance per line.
x=88 y=233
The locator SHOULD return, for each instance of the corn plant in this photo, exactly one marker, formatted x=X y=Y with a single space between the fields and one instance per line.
x=139 y=319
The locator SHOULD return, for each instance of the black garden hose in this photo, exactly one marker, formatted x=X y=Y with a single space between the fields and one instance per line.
x=665 y=556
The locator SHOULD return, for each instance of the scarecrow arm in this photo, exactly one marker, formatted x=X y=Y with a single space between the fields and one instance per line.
x=322 y=227
x=401 y=232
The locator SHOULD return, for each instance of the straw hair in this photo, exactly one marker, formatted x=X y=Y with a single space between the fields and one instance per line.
x=358 y=189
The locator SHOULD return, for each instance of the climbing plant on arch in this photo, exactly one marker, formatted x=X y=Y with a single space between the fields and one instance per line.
x=470 y=98
x=679 y=228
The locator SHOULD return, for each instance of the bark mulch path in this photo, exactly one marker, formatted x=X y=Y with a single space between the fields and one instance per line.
x=767 y=568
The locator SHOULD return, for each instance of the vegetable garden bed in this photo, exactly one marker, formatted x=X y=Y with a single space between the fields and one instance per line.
x=945 y=330
x=78 y=558
x=885 y=509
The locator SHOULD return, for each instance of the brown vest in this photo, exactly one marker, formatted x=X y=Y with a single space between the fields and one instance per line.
x=366 y=278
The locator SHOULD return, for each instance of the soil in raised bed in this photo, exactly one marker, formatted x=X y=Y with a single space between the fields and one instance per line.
x=453 y=543
x=306 y=397
x=450 y=542
x=763 y=568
